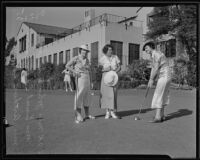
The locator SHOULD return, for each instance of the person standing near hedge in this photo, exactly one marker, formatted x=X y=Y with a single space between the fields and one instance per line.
x=82 y=75
x=108 y=100
x=67 y=80
x=161 y=70
x=24 y=75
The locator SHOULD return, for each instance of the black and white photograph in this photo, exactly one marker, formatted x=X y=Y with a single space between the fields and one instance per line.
x=100 y=80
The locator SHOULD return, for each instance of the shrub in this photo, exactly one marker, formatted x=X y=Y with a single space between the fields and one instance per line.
x=191 y=76
x=12 y=77
x=137 y=73
x=58 y=76
x=184 y=72
x=46 y=70
x=138 y=70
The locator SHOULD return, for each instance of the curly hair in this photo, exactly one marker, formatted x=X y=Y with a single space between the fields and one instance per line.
x=105 y=48
x=150 y=44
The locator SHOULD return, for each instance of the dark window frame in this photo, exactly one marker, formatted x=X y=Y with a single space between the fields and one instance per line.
x=120 y=56
x=67 y=55
x=61 y=57
x=132 y=57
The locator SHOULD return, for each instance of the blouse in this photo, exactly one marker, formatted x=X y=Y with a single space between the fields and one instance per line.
x=80 y=65
x=163 y=65
x=112 y=61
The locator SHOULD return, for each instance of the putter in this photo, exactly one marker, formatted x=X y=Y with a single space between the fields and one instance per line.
x=76 y=94
x=137 y=117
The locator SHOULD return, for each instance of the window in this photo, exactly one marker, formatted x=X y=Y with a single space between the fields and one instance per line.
x=32 y=40
x=29 y=63
x=48 y=40
x=170 y=48
x=22 y=44
x=133 y=52
x=26 y=62
x=49 y=59
x=36 y=63
x=67 y=56
x=40 y=61
x=55 y=58
x=149 y=19
x=21 y=63
x=61 y=57
x=118 y=50
x=32 y=59
x=75 y=51
x=86 y=13
x=94 y=53
x=45 y=59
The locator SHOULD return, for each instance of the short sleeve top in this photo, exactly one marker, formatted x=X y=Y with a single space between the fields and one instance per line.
x=112 y=61
x=67 y=72
x=80 y=65
x=23 y=74
x=160 y=58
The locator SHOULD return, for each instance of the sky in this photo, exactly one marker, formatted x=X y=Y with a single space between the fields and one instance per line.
x=67 y=17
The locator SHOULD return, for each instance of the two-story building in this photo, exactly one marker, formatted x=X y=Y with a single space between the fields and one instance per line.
x=39 y=43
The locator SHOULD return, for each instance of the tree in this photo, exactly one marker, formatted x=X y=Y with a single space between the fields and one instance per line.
x=10 y=44
x=177 y=20
x=13 y=61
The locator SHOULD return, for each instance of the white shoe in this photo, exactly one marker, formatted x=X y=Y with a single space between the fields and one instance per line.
x=114 y=115
x=66 y=90
x=78 y=120
x=107 y=115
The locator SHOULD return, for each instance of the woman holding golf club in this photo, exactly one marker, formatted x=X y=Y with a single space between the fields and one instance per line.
x=161 y=70
x=81 y=70
x=110 y=67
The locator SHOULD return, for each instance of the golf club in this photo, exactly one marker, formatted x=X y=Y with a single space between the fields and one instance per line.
x=76 y=94
x=137 y=117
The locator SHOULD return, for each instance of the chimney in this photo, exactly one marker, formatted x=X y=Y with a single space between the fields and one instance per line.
x=89 y=14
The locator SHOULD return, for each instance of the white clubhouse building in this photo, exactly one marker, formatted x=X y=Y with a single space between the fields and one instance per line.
x=38 y=43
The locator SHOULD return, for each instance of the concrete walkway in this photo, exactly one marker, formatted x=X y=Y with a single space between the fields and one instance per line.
x=42 y=122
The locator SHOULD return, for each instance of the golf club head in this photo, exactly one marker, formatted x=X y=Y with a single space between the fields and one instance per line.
x=137 y=118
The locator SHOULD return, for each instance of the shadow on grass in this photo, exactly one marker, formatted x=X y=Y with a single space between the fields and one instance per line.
x=8 y=125
x=38 y=118
x=128 y=112
x=179 y=113
x=131 y=112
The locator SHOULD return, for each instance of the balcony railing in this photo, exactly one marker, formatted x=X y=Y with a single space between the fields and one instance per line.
x=104 y=18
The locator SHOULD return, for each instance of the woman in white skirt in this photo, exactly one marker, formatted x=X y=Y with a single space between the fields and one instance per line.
x=80 y=66
x=160 y=69
x=109 y=62
x=67 y=80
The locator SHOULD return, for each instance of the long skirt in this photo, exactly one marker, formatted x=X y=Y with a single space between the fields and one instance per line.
x=108 y=96
x=161 y=94
x=82 y=94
